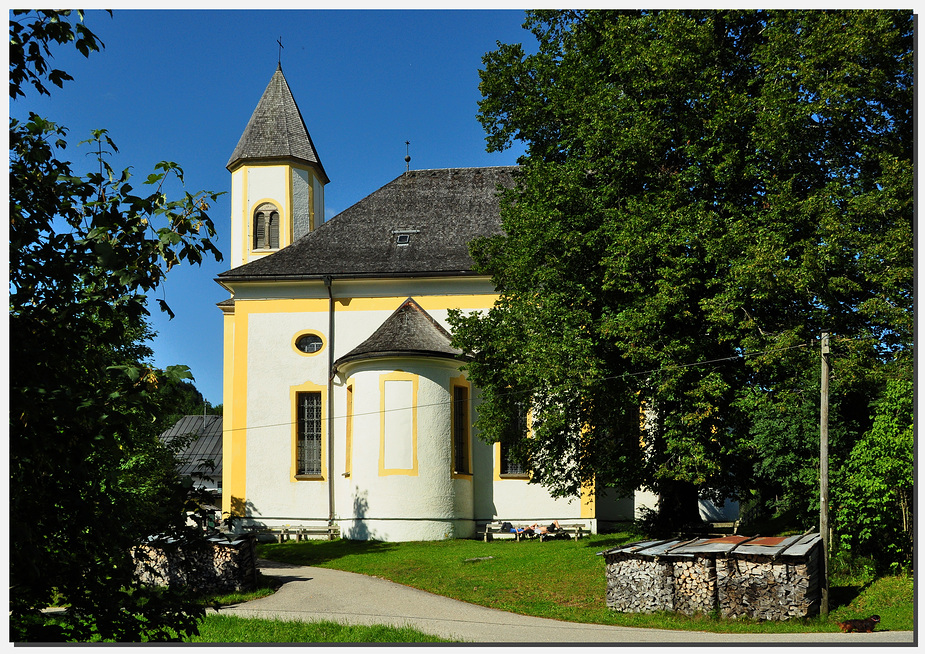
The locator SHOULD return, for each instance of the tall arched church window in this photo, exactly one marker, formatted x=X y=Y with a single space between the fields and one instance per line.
x=266 y=227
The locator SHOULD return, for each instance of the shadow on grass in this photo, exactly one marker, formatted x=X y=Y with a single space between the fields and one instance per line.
x=321 y=551
x=840 y=596
x=616 y=535
x=603 y=544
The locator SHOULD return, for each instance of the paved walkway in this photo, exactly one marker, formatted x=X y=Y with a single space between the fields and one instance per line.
x=311 y=594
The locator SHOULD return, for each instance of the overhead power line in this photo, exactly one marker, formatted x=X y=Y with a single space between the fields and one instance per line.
x=710 y=362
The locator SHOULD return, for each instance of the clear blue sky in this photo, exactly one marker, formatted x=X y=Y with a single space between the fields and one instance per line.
x=180 y=86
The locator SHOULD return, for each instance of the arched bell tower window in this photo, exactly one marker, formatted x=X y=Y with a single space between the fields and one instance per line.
x=266 y=227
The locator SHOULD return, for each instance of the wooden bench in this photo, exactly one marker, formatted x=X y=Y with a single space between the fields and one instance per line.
x=733 y=527
x=285 y=532
x=493 y=530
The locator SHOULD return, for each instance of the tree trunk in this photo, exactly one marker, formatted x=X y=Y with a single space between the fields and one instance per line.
x=678 y=507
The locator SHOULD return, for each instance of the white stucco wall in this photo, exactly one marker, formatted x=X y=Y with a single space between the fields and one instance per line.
x=274 y=368
x=408 y=493
x=387 y=503
x=318 y=201
x=253 y=184
x=301 y=203
x=709 y=511
x=517 y=500
x=265 y=182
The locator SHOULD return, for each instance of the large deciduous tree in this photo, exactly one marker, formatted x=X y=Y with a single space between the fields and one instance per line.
x=875 y=505
x=702 y=193
x=88 y=478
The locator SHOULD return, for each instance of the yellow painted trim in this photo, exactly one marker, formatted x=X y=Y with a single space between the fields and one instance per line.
x=304 y=305
x=308 y=387
x=348 y=437
x=234 y=424
x=427 y=302
x=588 y=500
x=460 y=382
x=304 y=332
x=399 y=375
x=497 y=467
x=496 y=458
x=496 y=471
x=227 y=419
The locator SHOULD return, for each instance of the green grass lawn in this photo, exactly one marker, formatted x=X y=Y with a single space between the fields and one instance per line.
x=233 y=629
x=564 y=580
x=265 y=586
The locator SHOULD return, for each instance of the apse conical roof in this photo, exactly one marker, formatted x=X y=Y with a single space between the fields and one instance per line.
x=276 y=129
x=408 y=332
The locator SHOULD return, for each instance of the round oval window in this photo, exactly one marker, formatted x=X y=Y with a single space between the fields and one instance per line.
x=309 y=343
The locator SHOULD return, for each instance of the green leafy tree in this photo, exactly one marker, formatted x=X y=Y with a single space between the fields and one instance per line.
x=180 y=398
x=875 y=508
x=702 y=193
x=85 y=249
x=784 y=439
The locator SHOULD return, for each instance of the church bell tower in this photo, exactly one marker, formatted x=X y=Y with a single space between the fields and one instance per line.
x=277 y=180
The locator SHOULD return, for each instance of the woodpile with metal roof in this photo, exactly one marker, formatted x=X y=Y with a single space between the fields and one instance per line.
x=767 y=578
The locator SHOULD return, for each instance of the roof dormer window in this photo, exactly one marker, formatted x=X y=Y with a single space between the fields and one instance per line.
x=403 y=236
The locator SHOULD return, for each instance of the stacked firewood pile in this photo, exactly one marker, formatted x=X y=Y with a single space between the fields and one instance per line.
x=639 y=586
x=695 y=585
x=764 y=578
x=766 y=588
x=636 y=585
x=209 y=566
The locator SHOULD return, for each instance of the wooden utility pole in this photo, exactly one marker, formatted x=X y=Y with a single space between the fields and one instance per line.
x=824 y=472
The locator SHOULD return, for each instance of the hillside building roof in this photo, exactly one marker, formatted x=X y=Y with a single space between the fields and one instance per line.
x=207 y=446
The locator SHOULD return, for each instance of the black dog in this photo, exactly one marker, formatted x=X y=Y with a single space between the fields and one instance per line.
x=867 y=625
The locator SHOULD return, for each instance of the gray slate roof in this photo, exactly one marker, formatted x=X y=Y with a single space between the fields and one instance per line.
x=276 y=129
x=440 y=211
x=408 y=332
x=208 y=445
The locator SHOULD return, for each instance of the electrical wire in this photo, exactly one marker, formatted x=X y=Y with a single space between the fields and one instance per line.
x=654 y=371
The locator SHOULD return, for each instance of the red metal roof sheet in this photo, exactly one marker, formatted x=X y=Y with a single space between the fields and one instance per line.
x=733 y=540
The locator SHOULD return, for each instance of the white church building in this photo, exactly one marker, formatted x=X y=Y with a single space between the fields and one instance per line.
x=344 y=403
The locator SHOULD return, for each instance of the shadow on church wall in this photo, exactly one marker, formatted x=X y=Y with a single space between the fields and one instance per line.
x=359 y=530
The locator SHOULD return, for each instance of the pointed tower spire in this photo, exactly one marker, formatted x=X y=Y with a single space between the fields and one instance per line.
x=277 y=180
x=276 y=130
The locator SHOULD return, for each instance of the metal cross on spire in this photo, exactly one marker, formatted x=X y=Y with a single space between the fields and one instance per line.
x=279 y=56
